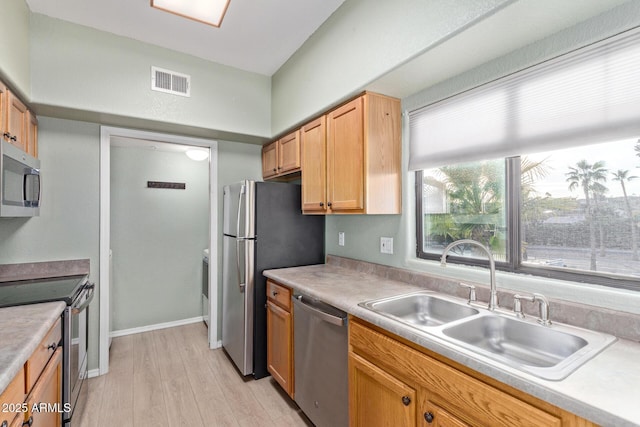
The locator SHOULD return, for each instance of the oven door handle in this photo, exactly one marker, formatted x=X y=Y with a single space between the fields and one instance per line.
x=85 y=304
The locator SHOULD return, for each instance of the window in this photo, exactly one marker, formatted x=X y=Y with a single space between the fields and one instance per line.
x=561 y=197
x=570 y=213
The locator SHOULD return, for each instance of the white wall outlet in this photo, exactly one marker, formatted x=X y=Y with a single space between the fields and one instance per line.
x=341 y=238
x=386 y=245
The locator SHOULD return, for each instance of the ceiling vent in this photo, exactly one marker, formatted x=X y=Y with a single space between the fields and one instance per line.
x=170 y=82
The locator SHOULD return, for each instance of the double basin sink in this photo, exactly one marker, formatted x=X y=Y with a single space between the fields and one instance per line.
x=548 y=352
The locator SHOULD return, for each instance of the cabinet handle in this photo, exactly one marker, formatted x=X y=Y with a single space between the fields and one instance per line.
x=321 y=204
x=29 y=422
x=428 y=416
x=406 y=400
x=7 y=135
x=275 y=170
x=52 y=347
x=274 y=293
x=329 y=204
x=14 y=138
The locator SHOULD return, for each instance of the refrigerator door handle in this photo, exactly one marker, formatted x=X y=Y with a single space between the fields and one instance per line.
x=242 y=191
x=240 y=284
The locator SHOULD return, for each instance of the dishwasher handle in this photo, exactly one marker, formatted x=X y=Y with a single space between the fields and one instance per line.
x=299 y=300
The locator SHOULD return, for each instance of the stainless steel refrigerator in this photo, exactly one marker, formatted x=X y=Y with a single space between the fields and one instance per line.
x=263 y=228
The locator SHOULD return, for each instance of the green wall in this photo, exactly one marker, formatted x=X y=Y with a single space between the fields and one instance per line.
x=14 y=45
x=362 y=233
x=67 y=227
x=360 y=42
x=157 y=237
x=80 y=68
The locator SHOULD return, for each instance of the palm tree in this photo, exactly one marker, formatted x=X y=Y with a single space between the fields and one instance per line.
x=622 y=176
x=588 y=177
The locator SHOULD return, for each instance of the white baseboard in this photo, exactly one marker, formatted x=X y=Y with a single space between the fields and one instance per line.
x=157 y=326
x=93 y=373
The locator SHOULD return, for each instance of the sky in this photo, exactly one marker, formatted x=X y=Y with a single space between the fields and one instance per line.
x=616 y=155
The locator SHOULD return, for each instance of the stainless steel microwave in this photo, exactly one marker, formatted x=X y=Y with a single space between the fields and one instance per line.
x=19 y=182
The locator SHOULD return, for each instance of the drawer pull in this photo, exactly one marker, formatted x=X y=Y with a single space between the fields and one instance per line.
x=274 y=293
x=428 y=417
x=52 y=347
x=406 y=400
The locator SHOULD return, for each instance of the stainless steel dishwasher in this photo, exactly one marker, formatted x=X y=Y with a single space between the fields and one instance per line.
x=320 y=361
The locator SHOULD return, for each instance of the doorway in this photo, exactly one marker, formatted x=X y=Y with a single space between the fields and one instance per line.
x=120 y=138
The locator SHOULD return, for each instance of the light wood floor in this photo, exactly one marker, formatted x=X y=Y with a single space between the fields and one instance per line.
x=170 y=378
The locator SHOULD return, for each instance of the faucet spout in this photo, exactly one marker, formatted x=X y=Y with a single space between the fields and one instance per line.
x=493 y=299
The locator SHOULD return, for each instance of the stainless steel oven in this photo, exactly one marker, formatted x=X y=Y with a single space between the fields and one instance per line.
x=74 y=355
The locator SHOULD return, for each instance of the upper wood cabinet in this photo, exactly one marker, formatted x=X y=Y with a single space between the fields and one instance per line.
x=32 y=134
x=314 y=166
x=18 y=125
x=16 y=132
x=3 y=110
x=270 y=160
x=281 y=157
x=351 y=158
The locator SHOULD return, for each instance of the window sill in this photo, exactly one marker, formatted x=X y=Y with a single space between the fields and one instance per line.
x=583 y=293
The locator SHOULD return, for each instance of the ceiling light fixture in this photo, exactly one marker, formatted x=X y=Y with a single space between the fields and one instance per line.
x=197 y=155
x=208 y=12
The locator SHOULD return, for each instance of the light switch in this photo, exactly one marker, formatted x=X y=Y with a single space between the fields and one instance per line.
x=386 y=245
x=341 y=238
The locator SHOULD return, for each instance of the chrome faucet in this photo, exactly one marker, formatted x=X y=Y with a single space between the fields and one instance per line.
x=493 y=299
x=543 y=304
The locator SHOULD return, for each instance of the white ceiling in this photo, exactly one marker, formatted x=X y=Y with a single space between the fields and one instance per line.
x=257 y=36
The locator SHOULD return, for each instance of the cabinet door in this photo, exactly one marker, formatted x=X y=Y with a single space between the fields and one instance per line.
x=289 y=153
x=10 y=400
x=46 y=395
x=270 y=160
x=279 y=346
x=378 y=399
x=3 y=109
x=314 y=166
x=17 y=122
x=345 y=157
x=32 y=134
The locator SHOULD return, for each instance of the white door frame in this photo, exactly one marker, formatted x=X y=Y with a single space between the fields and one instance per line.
x=106 y=133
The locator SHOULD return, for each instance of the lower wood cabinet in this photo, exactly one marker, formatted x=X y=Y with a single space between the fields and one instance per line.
x=280 y=335
x=11 y=409
x=34 y=396
x=395 y=383
x=378 y=398
x=44 y=401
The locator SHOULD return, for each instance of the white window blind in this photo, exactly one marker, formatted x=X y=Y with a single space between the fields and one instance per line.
x=590 y=95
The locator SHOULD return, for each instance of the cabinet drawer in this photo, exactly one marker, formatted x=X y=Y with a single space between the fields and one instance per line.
x=47 y=391
x=42 y=354
x=279 y=294
x=476 y=402
x=12 y=398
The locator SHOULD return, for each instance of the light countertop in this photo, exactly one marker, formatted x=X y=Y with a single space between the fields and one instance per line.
x=22 y=328
x=605 y=390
